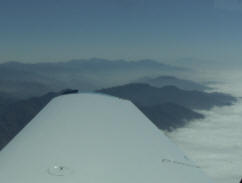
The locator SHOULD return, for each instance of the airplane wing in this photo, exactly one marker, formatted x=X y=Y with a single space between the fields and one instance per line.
x=94 y=138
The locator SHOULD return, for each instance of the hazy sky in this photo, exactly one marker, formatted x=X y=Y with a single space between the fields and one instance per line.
x=58 y=30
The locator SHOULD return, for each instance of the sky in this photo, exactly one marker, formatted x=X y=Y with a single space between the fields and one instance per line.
x=59 y=30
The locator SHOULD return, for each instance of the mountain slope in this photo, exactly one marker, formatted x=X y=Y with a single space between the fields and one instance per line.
x=146 y=95
x=169 y=116
x=162 y=81
x=15 y=115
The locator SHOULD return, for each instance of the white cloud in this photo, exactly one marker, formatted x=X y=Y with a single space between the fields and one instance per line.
x=215 y=143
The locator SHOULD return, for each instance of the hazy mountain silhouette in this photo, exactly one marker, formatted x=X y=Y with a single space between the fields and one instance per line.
x=5 y=100
x=162 y=81
x=169 y=107
x=169 y=116
x=15 y=114
x=25 y=80
x=146 y=95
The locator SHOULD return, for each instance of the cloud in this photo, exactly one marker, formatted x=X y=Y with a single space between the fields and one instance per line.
x=214 y=143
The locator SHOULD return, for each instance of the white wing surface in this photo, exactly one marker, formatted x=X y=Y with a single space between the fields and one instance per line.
x=93 y=138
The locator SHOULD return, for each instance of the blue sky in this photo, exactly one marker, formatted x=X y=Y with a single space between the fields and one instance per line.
x=59 y=30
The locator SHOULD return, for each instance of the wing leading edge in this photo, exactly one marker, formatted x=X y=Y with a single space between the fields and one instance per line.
x=94 y=138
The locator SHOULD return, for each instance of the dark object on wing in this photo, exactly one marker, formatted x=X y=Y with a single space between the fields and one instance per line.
x=240 y=181
x=68 y=91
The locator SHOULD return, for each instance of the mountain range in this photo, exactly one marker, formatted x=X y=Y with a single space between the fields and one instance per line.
x=162 y=81
x=24 y=80
x=146 y=95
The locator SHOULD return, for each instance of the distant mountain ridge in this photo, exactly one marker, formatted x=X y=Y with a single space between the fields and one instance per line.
x=169 y=107
x=146 y=95
x=87 y=74
x=96 y=64
x=162 y=81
